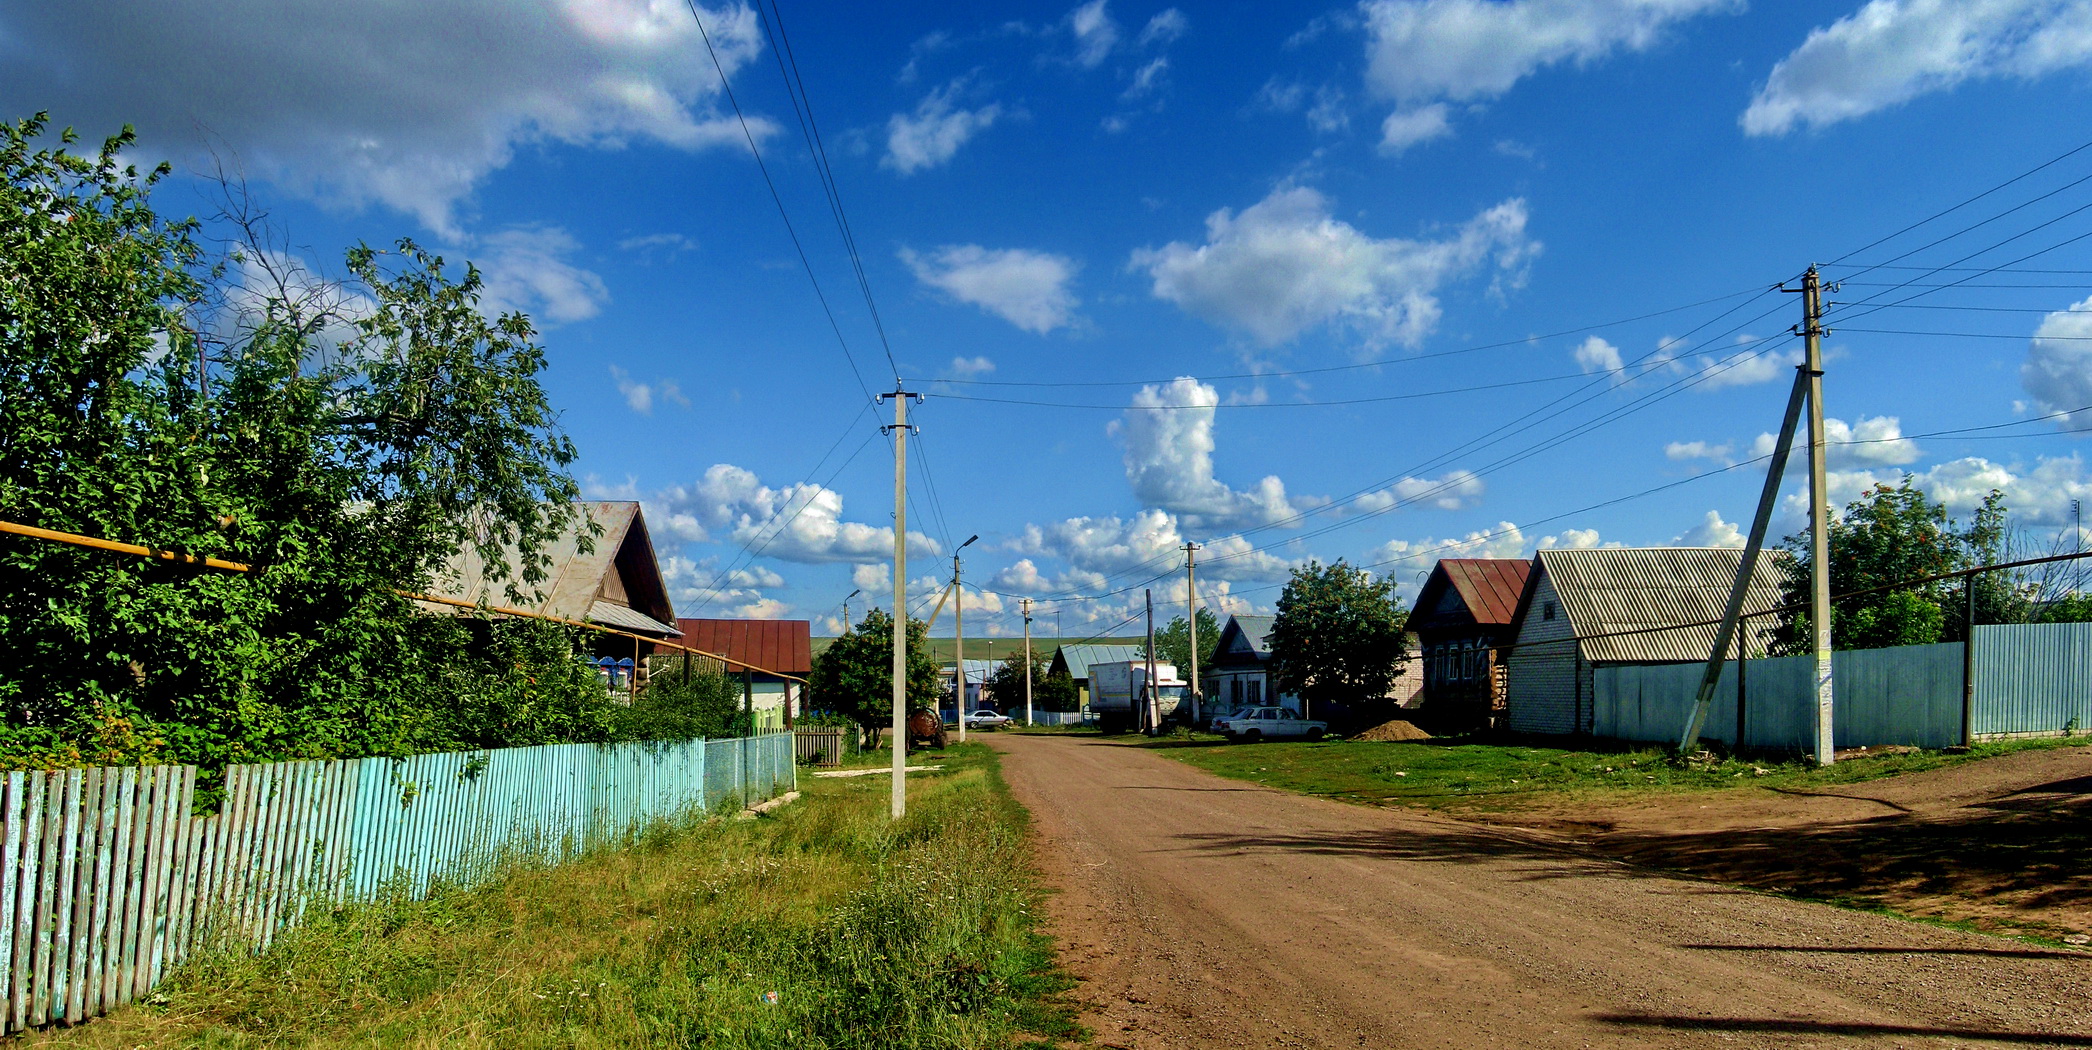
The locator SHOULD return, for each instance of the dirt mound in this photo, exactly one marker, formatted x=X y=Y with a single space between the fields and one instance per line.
x=1394 y=729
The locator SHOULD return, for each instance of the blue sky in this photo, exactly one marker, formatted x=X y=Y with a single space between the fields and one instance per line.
x=1133 y=252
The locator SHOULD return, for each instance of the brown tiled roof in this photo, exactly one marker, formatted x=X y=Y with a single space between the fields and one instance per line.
x=784 y=646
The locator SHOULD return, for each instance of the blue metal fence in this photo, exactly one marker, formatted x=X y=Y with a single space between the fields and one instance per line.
x=2029 y=679
x=107 y=880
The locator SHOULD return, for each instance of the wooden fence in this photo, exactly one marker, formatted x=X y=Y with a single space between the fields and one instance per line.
x=107 y=879
x=821 y=745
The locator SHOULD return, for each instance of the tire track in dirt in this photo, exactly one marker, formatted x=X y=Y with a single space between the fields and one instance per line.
x=1203 y=912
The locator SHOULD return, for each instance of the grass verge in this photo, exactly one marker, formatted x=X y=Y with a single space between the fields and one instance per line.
x=1464 y=774
x=870 y=933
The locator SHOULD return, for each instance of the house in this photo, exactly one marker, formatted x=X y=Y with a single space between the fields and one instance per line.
x=1075 y=660
x=616 y=583
x=1238 y=676
x=778 y=647
x=1462 y=620
x=977 y=674
x=1580 y=605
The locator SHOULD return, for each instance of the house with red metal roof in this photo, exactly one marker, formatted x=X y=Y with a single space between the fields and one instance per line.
x=1463 y=617
x=771 y=658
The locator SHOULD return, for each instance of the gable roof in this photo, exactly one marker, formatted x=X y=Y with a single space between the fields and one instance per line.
x=783 y=646
x=1488 y=587
x=616 y=583
x=1253 y=628
x=1605 y=591
x=1078 y=658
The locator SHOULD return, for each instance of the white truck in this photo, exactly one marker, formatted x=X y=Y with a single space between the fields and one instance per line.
x=1119 y=690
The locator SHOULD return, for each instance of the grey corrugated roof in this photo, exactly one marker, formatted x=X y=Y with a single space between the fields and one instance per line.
x=1256 y=630
x=1080 y=657
x=1625 y=588
x=610 y=614
x=573 y=586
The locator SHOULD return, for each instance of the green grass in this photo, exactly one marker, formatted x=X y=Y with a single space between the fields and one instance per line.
x=1494 y=775
x=871 y=933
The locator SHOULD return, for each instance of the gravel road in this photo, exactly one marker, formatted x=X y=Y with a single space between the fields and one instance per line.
x=1199 y=911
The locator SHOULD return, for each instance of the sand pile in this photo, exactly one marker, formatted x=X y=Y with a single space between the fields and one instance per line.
x=1395 y=729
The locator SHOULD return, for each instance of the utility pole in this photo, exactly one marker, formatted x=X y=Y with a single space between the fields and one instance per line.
x=1819 y=517
x=846 y=608
x=1150 y=713
x=900 y=430
x=1027 y=659
x=1191 y=614
x=959 y=639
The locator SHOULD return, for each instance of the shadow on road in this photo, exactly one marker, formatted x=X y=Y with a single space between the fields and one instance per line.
x=1856 y=1029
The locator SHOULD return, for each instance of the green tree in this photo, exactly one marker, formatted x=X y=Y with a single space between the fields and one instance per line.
x=685 y=699
x=1896 y=533
x=854 y=675
x=1049 y=692
x=1173 y=643
x=1337 y=638
x=342 y=445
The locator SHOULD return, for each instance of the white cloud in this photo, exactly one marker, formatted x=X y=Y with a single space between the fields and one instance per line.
x=1689 y=450
x=697 y=588
x=1026 y=288
x=1574 y=540
x=1095 y=33
x=1285 y=265
x=1453 y=490
x=526 y=269
x=1875 y=441
x=934 y=132
x=1407 y=127
x=1892 y=51
x=1597 y=355
x=969 y=367
x=409 y=105
x=2036 y=495
x=1147 y=78
x=2058 y=369
x=667 y=245
x=640 y=397
x=1168 y=433
x=1095 y=548
x=801 y=523
x=1711 y=531
x=1164 y=28
x=1421 y=53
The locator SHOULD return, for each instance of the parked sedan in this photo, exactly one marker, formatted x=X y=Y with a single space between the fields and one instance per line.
x=986 y=718
x=1273 y=723
x=1219 y=722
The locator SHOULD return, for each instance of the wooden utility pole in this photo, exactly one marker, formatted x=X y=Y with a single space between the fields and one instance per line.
x=959 y=639
x=1191 y=614
x=899 y=430
x=1150 y=713
x=1027 y=659
x=1819 y=517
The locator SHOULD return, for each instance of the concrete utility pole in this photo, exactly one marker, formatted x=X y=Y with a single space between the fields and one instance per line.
x=1027 y=659
x=1819 y=517
x=900 y=430
x=1191 y=612
x=959 y=639
x=846 y=608
x=1150 y=710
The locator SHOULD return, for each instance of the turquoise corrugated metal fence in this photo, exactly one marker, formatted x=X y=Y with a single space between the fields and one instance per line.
x=107 y=880
x=2029 y=679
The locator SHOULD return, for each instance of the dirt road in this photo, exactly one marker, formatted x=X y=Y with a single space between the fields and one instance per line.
x=1199 y=911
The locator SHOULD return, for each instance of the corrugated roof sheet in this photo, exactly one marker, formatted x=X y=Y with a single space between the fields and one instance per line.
x=610 y=614
x=573 y=585
x=1625 y=588
x=1080 y=657
x=784 y=646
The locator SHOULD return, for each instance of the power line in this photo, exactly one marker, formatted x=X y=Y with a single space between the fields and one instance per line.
x=2029 y=173
x=778 y=199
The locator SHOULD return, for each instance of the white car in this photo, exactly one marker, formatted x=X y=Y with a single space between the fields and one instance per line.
x=1219 y=722
x=986 y=718
x=1272 y=723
